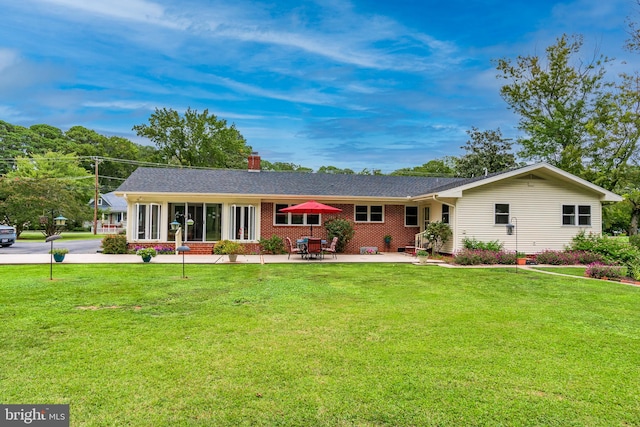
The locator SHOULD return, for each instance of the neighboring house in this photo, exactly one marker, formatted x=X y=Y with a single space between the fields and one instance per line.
x=112 y=213
x=549 y=206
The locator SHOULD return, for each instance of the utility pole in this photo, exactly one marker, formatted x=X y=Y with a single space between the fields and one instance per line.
x=96 y=162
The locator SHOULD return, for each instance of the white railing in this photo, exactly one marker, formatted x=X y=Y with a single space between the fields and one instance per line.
x=421 y=242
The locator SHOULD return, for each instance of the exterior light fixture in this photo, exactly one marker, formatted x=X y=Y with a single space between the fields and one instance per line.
x=510 y=229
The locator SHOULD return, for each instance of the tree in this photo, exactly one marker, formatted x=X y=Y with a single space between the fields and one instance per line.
x=487 y=152
x=43 y=187
x=195 y=139
x=437 y=167
x=20 y=141
x=335 y=170
x=556 y=100
x=280 y=166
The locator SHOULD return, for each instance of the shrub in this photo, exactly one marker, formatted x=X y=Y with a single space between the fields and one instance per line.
x=613 y=250
x=274 y=245
x=342 y=229
x=556 y=258
x=473 y=243
x=482 y=256
x=437 y=233
x=599 y=271
x=635 y=240
x=114 y=244
x=227 y=247
x=507 y=258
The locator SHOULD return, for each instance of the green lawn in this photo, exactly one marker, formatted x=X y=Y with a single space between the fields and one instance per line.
x=571 y=271
x=37 y=236
x=320 y=344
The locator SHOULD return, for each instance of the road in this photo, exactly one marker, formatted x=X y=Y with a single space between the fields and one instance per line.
x=90 y=246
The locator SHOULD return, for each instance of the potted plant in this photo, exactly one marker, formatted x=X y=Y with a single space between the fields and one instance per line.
x=227 y=247
x=59 y=253
x=387 y=239
x=423 y=256
x=521 y=258
x=147 y=253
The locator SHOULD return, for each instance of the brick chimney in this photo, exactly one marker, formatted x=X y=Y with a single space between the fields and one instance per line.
x=254 y=162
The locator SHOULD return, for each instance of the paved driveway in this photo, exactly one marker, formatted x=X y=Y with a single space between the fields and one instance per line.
x=90 y=246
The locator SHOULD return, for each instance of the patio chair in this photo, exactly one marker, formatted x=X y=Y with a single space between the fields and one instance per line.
x=314 y=247
x=331 y=249
x=290 y=248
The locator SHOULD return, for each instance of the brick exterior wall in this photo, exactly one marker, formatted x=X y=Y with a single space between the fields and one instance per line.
x=366 y=234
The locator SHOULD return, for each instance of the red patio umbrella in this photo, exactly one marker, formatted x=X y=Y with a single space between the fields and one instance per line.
x=310 y=207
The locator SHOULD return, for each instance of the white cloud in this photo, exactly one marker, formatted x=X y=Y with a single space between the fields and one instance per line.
x=8 y=58
x=130 y=10
x=119 y=105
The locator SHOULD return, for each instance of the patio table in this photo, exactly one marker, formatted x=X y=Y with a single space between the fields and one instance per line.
x=302 y=245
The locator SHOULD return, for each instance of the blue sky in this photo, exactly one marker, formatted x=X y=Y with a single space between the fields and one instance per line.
x=360 y=84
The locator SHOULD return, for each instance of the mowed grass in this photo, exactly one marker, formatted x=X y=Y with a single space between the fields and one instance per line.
x=320 y=345
x=571 y=271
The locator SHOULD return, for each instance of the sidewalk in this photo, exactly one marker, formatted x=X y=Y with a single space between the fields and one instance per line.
x=98 y=258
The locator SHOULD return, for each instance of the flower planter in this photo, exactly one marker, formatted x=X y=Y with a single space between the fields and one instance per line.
x=521 y=261
x=146 y=258
x=233 y=257
x=422 y=259
x=58 y=257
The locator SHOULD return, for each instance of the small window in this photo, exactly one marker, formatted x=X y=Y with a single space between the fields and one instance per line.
x=576 y=215
x=501 y=213
x=365 y=213
x=445 y=214
x=584 y=215
x=281 y=218
x=568 y=215
x=285 y=218
x=427 y=216
x=411 y=216
x=100 y=202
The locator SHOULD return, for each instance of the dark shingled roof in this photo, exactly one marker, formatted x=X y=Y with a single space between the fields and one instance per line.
x=176 y=180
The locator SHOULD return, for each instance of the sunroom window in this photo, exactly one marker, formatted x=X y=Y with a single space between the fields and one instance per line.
x=147 y=221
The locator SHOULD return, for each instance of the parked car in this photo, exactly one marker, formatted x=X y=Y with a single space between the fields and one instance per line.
x=7 y=235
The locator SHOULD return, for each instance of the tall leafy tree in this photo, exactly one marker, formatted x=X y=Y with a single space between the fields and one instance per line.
x=43 y=187
x=281 y=166
x=196 y=139
x=445 y=166
x=556 y=98
x=487 y=152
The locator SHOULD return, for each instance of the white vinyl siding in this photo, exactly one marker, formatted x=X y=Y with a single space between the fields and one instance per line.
x=537 y=204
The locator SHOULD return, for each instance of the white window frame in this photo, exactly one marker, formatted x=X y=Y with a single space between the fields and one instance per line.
x=442 y=213
x=417 y=213
x=289 y=216
x=237 y=224
x=576 y=216
x=496 y=214
x=151 y=221
x=369 y=213
x=426 y=213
